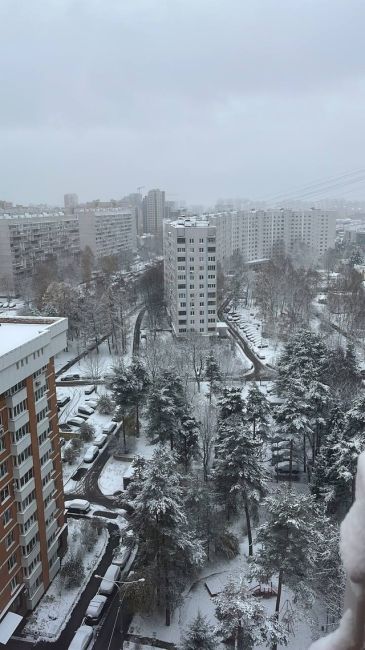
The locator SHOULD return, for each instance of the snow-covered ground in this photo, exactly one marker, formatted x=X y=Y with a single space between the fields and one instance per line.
x=111 y=477
x=55 y=608
x=251 y=329
x=196 y=598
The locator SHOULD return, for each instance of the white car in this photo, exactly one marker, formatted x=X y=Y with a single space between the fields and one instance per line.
x=95 y=609
x=85 y=409
x=91 y=402
x=76 y=421
x=83 y=638
x=91 y=453
x=78 y=506
x=100 y=440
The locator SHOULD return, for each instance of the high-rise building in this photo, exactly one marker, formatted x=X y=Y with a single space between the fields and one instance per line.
x=154 y=212
x=258 y=234
x=190 y=276
x=27 y=239
x=33 y=531
x=70 y=201
x=109 y=231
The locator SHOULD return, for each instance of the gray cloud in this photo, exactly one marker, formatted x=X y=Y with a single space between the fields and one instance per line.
x=202 y=97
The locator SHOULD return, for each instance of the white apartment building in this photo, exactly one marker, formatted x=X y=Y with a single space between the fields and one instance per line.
x=33 y=530
x=108 y=231
x=28 y=239
x=257 y=234
x=191 y=276
x=70 y=201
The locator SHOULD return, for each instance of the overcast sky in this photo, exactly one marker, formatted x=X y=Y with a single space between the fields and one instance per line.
x=203 y=98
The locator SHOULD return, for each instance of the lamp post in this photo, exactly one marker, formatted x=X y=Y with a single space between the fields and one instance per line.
x=121 y=593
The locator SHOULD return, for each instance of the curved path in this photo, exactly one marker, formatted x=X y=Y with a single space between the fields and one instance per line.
x=137 y=331
x=260 y=370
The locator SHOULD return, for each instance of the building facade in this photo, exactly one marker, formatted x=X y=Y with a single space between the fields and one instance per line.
x=33 y=531
x=258 y=234
x=109 y=231
x=70 y=201
x=31 y=238
x=190 y=276
x=154 y=212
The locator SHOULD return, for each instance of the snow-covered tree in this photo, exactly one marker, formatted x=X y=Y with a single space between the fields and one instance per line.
x=139 y=384
x=167 y=547
x=212 y=373
x=304 y=358
x=293 y=419
x=187 y=441
x=207 y=435
x=288 y=541
x=105 y=404
x=257 y=409
x=231 y=403
x=243 y=619
x=239 y=472
x=166 y=406
x=123 y=393
x=199 y=635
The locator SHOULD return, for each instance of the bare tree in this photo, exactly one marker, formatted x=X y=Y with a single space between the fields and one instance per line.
x=207 y=435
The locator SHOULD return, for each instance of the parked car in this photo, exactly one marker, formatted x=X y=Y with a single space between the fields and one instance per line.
x=284 y=466
x=107 y=584
x=91 y=402
x=78 y=506
x=91 y=453
x=89 y=390
x=62 y=401
x=122 y=556
x=109 y=428
x=100 y=440
x=95 y=609
x=65 y=427
x=85 y=409
x=76 y=421
x=83 y=639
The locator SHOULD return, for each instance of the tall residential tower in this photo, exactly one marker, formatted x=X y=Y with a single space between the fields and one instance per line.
x=190 y=276
x=33 y=531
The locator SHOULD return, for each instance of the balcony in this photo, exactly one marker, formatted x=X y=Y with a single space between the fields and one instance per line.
x=23 y=468
x=23 y=516
x=47 y=467
x=41 y=404
x=26 y=537
x=26 y=560
x=44 y=447
x=16 y=398
x=17 y=447
x=22 y=492
x=18 y=421
x=48 y=489
x=51 y=528
x=54 y=568
x=50 y=509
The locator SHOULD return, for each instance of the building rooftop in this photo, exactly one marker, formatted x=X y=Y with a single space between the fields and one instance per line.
x=18 y=331
x=189 y=222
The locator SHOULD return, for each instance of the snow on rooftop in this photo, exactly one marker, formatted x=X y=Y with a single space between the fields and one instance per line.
x=15 y=332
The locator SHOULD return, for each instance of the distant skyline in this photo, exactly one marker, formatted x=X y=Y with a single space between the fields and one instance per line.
x=202 y=98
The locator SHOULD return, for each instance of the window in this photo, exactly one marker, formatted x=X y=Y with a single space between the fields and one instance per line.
x=18 y=460
x=3 y=469
x=11 y=562
x=6 y=517
x=25 y=479
x=20 y=433
x=10 y=539
x=4 y=494
x=13 y=584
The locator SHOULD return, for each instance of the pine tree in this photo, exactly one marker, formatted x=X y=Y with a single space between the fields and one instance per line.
x=167 y=547
x=304 y=358
x=288 y=541
x=292 y=418
x=231 y=403
x=123 y=393
x=243 y=618
x=187 y=441
x=166 y=407
x=239 y=469
x=212 y=373
x=199 y=635
x=139 y=383
x=258 y=410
